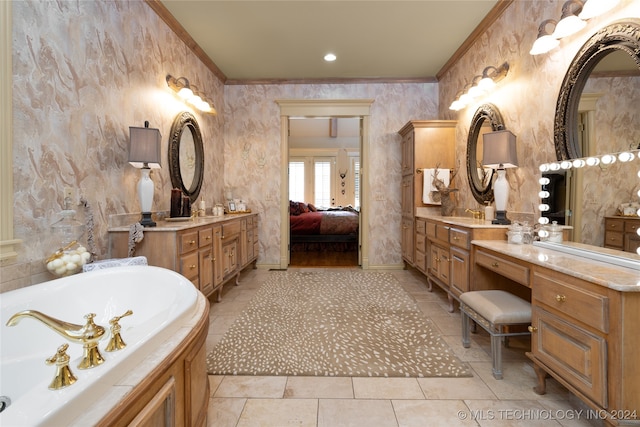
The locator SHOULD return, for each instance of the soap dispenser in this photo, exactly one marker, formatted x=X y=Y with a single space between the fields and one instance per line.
x=489 y=211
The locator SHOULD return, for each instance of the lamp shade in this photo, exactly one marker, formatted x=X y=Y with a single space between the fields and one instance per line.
x=499 y=150
x=144 y=147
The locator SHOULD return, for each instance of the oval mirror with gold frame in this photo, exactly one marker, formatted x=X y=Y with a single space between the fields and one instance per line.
x=186 y=155
x=487 y=118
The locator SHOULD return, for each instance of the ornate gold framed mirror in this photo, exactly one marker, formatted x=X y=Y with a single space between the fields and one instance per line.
x=487 y=118
x=186 y=155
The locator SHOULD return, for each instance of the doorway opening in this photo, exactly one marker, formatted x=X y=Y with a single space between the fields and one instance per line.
x=342 y=108
x=324 y=191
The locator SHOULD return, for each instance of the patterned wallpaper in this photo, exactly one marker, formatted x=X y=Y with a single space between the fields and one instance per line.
x=83 y=73
x=252 y=153
x=527 y=96
x=86 y=71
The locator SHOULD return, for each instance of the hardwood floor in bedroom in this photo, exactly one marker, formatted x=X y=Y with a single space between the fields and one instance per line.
x=323 y=259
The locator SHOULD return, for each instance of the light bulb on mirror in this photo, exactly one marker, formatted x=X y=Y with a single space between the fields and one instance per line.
x=543 y=194
x=625 y=156
x=543 y=220
x=593 y=161
x=554 y=166
x=579 y=163
x=543 y=207
x=545 y=181
x=608 y=159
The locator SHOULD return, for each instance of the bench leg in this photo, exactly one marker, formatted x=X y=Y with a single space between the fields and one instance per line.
x=465 y=329
x=496 y=356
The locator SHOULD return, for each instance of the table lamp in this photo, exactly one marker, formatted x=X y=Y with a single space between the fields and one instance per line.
x=499 y=152
x=144 y=153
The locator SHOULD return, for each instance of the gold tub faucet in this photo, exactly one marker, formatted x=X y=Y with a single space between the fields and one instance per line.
x=88 y=334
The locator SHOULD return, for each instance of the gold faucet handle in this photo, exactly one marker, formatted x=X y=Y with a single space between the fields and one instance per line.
x=116 y=342
x=116 y=319
x=64 y=377
x=61 y=357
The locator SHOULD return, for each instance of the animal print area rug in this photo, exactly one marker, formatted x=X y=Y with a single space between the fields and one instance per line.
x=344 y=323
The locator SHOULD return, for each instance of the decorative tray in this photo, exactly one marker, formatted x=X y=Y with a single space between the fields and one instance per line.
x=178 y=219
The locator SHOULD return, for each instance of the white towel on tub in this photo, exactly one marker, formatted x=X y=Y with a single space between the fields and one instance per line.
x=430 y=195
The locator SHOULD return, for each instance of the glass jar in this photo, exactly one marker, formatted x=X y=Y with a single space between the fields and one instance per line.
x=71 y=254
x=555 y=232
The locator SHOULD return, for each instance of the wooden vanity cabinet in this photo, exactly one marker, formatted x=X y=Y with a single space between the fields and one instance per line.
x=208 y=254
x=449 y=260
x=583 y=334
x=425 y=144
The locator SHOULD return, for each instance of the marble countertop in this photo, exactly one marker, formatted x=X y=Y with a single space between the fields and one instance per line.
x=124 y=223
x=611 y=276
x=462 y=221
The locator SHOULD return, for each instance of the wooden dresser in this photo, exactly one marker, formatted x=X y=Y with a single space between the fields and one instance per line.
x=208 y=251
x=584 y=328
x=621 y=232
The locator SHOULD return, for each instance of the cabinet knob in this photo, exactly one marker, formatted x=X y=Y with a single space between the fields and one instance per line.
x=532 y=329
x=495 y=265
x=208 y=238
x=192 y=266
x=561 y=298
x=192 y=242
x=456 y=238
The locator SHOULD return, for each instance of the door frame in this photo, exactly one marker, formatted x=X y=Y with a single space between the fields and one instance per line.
x=324 y=108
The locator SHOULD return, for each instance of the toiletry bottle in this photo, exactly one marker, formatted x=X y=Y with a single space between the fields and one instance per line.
x=489 y=212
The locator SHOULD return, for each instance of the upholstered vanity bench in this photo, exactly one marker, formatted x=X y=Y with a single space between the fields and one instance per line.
x=495 y=311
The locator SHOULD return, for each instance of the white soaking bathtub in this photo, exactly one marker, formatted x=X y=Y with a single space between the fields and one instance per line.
x=164 y=305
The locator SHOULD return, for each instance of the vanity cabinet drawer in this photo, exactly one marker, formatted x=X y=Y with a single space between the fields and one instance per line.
x=614 y=239
x=511 y=270
x=230 y=230
x=421 y=243
x=205 y=237
x=614 y=224
x=631 y=226
x=189 y=266
x=421 y=226
x=587 y=307
x=577 y=355
x=431 y=230
x=459 y=238
x=442 y=233
x=188 y=242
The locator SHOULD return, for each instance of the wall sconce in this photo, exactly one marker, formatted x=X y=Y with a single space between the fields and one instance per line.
x=499 y=152
x=480 y=85
x=569 y=22
x=574 y=17
x=144 y=153
x=190 y=94
x=545 y=41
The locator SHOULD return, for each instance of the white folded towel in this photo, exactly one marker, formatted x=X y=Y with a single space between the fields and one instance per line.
x=430 y=195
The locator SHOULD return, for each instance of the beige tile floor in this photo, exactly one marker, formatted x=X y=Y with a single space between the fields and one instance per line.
x=333 y=402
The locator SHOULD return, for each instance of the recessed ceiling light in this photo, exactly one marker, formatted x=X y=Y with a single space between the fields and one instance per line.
x=329 y=57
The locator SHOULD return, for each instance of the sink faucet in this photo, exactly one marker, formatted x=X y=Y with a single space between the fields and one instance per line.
x=88 y=334
x=479 y=214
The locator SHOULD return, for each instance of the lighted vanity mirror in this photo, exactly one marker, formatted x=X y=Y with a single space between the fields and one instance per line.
x=597 y=113
x=186 y=155
x=487 y=118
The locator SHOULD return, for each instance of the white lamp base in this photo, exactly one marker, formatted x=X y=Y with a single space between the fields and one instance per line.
x=145 y=195
x=501 y=194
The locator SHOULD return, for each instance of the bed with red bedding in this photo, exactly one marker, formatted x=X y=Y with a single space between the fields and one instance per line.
x=334 y=225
